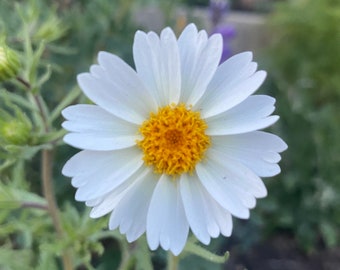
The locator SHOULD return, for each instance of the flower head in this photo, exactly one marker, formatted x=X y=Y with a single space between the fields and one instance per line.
x=173 y=144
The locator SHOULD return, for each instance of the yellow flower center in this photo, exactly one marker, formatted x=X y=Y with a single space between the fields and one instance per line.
x=174 y=140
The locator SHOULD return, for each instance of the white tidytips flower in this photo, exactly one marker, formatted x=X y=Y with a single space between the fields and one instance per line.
x=175 y=144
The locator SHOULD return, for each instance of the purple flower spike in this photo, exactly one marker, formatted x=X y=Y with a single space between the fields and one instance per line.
x=228 y=32
x=217 y=9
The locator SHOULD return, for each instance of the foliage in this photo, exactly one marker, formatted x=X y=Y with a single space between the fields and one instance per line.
x=305 y=61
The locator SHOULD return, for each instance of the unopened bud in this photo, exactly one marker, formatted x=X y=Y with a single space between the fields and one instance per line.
x=9 y=63
x=15 y=132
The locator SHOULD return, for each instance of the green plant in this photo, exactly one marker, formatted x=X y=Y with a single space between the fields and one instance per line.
x=305 y=61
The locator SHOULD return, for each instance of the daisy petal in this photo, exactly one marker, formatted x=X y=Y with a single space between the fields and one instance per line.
x=102 y=141
x=250 y=70
x=227 y=75
x=212 y=177
x=130 y=214
x=205 y=216
x=115 y=87
x=238 y=175
x=228 y=95
x=196 y=208
x=253 y=149
x=199 y=60
x=113 y=168
x=94 y=202
x=96 y=129
x=127 y=85
x=252 y=114
x=109 y=201
x=166 y=222
x=158 y=65
x=222 y=217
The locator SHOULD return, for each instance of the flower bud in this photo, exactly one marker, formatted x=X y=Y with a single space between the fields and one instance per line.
x=9 y=63
x=15 y=132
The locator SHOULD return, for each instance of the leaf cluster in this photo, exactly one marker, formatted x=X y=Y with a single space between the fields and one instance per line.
x=304 y=62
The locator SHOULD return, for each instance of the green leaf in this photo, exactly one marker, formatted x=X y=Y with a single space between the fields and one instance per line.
x=17 y=99
x=15 y=259
x=70 y=97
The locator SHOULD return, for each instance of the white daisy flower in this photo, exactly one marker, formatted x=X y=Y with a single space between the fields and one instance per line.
x=173 y=144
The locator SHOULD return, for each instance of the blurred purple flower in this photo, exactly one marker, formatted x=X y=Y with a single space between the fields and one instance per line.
x=218 y=9
x=228 y=32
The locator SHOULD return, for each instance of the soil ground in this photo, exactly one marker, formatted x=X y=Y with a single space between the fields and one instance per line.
x=282 y=253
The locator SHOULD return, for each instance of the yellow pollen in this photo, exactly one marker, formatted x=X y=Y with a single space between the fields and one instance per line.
x=174 y=140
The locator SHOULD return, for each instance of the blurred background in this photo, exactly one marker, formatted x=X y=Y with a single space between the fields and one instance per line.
x=297 y=226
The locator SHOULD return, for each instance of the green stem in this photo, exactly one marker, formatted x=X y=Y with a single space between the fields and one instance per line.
x=24 y=82
x=37 y=101
x=48 y=190
x=172 y=261
x=126 y=261
x=34 y=205
x=205 y=254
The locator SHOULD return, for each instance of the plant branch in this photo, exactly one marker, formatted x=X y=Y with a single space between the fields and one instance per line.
x=37 y=101
x=42 y=112
x=48 y=190
x=34 y=205
x=24 y=82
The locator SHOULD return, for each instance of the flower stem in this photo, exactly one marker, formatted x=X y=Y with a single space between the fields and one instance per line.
x=34 y=205
x=24 y=82
x=37 y=101
x=48 y=191
x=172 y=261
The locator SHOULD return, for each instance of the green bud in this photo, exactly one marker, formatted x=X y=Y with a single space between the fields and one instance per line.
x=15 y=127
x=15 y=132
x=9 y=63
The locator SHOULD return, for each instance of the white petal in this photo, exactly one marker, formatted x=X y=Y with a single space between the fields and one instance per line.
x=251 y=114
x=222 y=217
x=158 y=65
x=239 y=176
x=86 y=118
x=94 y=202
x=98 y=141
x=130 y=214
x=250 y=70
x=227 y=75
x=256 y=150
x=113 y=168
x=96 y=129
x=225 y=98
x=196 y=208
x=109 y=201
x=213 y=179
x=127 y=84
x=199 y=60
x=231 y=69
x=166 y=222
x=86 y=162
x=117 y=90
